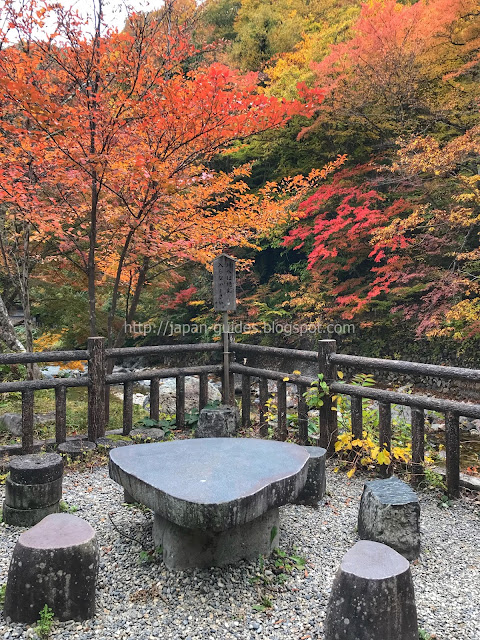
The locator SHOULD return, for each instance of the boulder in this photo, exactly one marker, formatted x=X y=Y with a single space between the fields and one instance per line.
x=372 y=596
x=390 y=513
x=76 y=448
x=220 y=422
x=12 y=422
x=54 y=563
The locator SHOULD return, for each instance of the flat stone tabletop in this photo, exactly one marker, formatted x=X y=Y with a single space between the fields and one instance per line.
x=211 y=483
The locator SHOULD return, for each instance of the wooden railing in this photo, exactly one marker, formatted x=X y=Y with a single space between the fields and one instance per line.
x=97 y=382
x=326 y=360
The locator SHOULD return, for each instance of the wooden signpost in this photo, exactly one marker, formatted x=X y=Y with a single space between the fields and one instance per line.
x=225 y=300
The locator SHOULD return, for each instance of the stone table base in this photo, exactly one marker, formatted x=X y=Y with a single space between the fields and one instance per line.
x=187 y=548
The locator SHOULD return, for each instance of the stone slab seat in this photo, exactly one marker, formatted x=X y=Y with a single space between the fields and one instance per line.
x=215 y=499
x=372 y=596
x=390 y=513
x=54 y=563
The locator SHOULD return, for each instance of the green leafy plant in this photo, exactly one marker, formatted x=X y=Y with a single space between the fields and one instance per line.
x=3 y=589
x=286 y=563
x=151 y=556
x=44 y=623
x=67 y=508
x=424 y=635
x=265 y=603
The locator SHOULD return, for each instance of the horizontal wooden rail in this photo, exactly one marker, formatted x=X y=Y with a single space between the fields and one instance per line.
x=424 y=402
x=149 y=374
x=164 y=348
x=43 y=356
x=242 y=348
x=402 y=366
x=37 y=385
x=271 y=375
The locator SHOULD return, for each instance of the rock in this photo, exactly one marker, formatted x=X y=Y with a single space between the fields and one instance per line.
x=390 y=513
x=315 y=486
x=36 y=468
x=148 y=433
x=12 y=422
x=109 y=443
x=372 y=596
x=27 y=517
x=220 y=422
x=76 y=448
x=54 y=563
x=32 y=496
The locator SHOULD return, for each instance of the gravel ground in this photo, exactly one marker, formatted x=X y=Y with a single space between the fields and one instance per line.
x=144 y=601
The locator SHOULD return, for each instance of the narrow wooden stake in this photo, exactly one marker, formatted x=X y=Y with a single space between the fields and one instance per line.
x=203 y=391
x=262 y=407
x=127 y=407
x=155 y=399
x=60 y=414
x=246 y=404
x=180 y=410
x=282 y=410
x=302 y=409
x=231 y=386
x=385 y=432
x=96 y=388
x=418 y=444
x=452 y=446
x=327 y=415
x=27 y=421
x=357 y=417
x=226 y=361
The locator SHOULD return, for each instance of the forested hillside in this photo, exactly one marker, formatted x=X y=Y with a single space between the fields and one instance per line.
x=331 y=146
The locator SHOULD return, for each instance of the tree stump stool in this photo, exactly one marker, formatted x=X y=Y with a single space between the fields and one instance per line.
x=315 y=486
x=54 y=563
x=372 y=596
x=390 y=513
x=76 y=448
x=33 y=488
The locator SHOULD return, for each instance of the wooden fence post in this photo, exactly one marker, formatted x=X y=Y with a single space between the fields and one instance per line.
x=327 y=415
x=418 y=444
x=262 y=407
x=302 y=409
x=155 y=399
x=27 y=421
x=180 y=403
x=452 y=446
x=127 y=407
x=202 y=391
x=60 y=414
x=246 y=401
x=357 y=417
x=96 y=388
x=385 y=433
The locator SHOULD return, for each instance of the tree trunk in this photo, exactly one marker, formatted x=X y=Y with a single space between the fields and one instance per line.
x=7 y=331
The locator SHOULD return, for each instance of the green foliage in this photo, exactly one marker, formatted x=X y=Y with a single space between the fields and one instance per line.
x=3 y=589
x=44 y=623
x=424 y=635
x=67 y=508
x=153 y=556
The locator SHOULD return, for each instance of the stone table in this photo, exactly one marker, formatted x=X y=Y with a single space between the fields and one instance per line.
x=215 y=499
